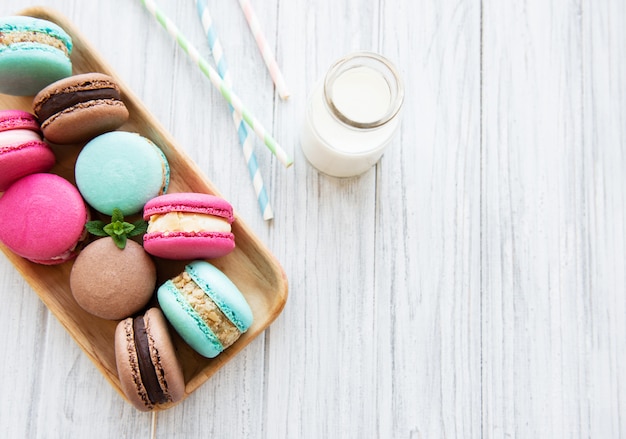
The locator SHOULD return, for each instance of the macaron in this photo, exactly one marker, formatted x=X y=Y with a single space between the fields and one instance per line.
x=149 y=371
x=121 y=170
x=112 y=283
x=42 y=219
x=80 y=107
x=205 y=307
x=22 y=150
x=33 y=53
x=188 y=226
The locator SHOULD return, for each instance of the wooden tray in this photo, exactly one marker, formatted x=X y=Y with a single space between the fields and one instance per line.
x=250 y=266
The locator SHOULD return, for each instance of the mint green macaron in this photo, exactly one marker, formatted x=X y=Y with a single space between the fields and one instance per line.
x=33 y=54
x=121 y=170
x=205 y=307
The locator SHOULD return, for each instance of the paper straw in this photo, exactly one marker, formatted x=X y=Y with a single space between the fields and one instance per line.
x=265 y=49
x=215 y=79
x=245 y=140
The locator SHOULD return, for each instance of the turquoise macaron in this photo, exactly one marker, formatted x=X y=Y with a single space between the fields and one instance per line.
x=33 y=54
x=205 y=307
x=121 y=170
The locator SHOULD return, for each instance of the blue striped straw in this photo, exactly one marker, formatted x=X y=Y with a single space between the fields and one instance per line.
x=217 y=81
x=244 y=138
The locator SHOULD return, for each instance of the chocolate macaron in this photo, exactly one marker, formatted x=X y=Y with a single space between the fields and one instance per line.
x=150 y=374
x=80 y=107
x=110 y=282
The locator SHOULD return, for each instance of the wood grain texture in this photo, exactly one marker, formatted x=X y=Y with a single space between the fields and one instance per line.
x=551 y=317
x=604 y=188
x=428 y=224
x=534 y=235
x=470 y=285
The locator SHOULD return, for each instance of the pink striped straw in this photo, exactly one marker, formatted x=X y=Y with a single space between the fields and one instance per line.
x=266 y=52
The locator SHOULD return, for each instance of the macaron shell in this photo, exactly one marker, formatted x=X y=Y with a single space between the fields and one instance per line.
x=181 y=245
x=84 y=121
x=19 y=161
x=127 y=365
x=13 y=23
x=22 y=151
x=42 y=218
x=163 y=354
x=223 y=292
x=121 y=170
x=189 y=202
x=27 y=67
x=187 y=322
x=18 y=120
x=112 y=283
x=157 y=328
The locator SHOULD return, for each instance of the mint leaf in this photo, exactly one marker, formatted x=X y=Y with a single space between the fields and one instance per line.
x=117 y=216
x=127 y=227
x=140 y=227
x=119 y=240
x=96 y=228
x=112 y=230
x=118 y=229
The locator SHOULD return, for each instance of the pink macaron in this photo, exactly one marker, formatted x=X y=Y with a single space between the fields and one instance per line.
x=22 y=150
x=188 y=226
x=42 y=218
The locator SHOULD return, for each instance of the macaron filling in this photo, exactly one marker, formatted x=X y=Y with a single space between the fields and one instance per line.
x=14 y=136
x=16 y=37
x=148 y=371
x=65 y=256
x=14 y=139
x=210 y=313
x=70 y=98
x=187 y=222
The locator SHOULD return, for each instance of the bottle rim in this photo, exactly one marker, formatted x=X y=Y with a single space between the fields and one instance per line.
x=397 y=92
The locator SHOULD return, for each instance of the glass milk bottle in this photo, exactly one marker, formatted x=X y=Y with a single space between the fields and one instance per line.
x=352 y=115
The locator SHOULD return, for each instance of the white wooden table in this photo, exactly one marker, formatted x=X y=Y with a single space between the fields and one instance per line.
x=470 y=285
